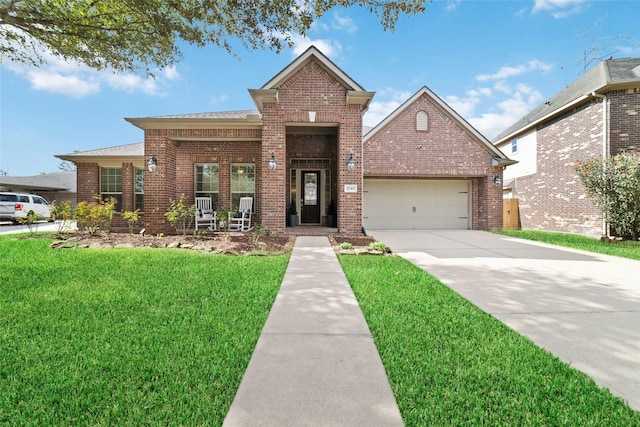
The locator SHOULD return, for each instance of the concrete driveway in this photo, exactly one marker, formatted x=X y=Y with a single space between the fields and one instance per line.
x=582 y=307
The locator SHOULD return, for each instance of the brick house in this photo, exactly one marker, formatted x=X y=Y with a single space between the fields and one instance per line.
x=308 y=124
x=595 y=116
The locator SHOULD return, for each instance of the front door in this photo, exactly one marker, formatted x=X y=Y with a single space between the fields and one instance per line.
x=311 y=197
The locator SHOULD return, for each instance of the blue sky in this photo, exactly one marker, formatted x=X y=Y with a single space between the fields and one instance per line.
x=491 y=61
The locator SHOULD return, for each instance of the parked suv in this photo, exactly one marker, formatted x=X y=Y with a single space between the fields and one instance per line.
x=14 y=206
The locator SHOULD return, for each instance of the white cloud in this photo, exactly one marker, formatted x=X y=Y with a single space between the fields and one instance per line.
x=385 y=102
x=343 y=23
x=331 y=48
x=219 y=99
x=515 y=70
x=464 y=106
x=452 y=5
x=69 y=85
x=559 y=8
x=492 y=109
x=77 y=80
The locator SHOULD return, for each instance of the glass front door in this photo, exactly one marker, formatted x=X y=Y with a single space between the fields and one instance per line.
x=311 y=197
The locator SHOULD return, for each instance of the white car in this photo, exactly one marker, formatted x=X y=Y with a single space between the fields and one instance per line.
x=14 y=206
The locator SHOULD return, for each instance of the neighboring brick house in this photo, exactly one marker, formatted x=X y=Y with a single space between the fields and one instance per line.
x=309 y=121
x=596 y=116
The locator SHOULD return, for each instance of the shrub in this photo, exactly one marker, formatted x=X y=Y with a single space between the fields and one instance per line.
x=345 y=245
x=378 y=246
x=614 y=186
x=62 y=212
x=31 y=221
x=132 y=218
x=180 y=216
x=95 y=216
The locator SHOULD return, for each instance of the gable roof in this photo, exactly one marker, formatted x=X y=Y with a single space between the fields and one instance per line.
x=269 y=91
x=607 y=75
x=500 y=159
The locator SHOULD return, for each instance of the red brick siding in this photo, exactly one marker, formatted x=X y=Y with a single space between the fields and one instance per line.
x=88 y=181
x=445 y=150
x=624 y=116
x=165 y=185
x=312 y=89
x=554 y=199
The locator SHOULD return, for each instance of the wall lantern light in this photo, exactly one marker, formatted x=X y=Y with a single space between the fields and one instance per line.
x=351 y=164
x=272 y=162
x=497 y=181
x=153 y=163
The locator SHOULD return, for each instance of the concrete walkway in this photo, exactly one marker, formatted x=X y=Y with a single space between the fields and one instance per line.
x=315 y=363
x=581 y=306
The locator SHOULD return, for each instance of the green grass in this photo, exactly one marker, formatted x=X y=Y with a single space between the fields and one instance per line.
x=449 y=363
x=624 y=249
x=126 y=337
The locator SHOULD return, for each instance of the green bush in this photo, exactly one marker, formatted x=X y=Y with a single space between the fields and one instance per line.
x=180 y=216
x=131 y=218
x=62 y=212
x=95 y=216
x=614 y=186
x=377 y=246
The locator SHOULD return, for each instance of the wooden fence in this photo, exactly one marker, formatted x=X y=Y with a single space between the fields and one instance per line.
x=510 y=214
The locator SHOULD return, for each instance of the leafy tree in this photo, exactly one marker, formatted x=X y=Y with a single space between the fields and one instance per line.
x=614 y=186
x=127 y=35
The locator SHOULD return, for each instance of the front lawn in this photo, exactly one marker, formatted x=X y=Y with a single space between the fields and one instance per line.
x=449 y=363
x=624 y=249
x=127 y=336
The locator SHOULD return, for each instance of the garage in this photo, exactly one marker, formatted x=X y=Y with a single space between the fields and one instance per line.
x=402 y=204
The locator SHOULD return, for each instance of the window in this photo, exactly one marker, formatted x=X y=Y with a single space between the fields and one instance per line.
x=243 y=182
x=207 y=181
x=422 y=121
x=111 y=185
x=514 y=145
x=138 y=190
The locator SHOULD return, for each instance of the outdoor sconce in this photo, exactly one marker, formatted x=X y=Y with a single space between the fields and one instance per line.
x=153 y=163
x=497 y=181
x=351 y=164
x=272 y=162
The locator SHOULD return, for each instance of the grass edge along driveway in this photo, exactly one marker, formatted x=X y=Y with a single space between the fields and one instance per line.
x=127 y=336
x=449 y=363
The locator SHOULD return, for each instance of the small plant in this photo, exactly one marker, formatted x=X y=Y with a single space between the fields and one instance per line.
x=180 y=216
x=132 y=218
x=64 y=212
x=377 y=246
x=199 y=234
x=95 y=216
x=345 y=245
x=257 y=234
x=31 y=221
x=224 y=214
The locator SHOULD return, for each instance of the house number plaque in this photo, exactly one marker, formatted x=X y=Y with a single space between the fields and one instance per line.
x=350 y=188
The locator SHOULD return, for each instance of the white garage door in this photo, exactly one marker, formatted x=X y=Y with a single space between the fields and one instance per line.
x=394 y=204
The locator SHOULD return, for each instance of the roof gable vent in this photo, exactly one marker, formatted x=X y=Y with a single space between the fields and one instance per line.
x=422 y=121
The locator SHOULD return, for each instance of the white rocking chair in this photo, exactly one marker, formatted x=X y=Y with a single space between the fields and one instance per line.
x=205 y=215
x=242 y=222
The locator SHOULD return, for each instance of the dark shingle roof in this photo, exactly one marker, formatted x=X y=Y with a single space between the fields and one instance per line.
x=606 y=73
x=46 y=181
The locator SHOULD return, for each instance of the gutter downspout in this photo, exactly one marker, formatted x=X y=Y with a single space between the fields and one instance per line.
x=605 y=147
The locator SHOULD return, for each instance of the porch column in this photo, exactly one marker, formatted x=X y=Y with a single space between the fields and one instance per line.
x=350 y=182
x=273 y=198
x=159 y=186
